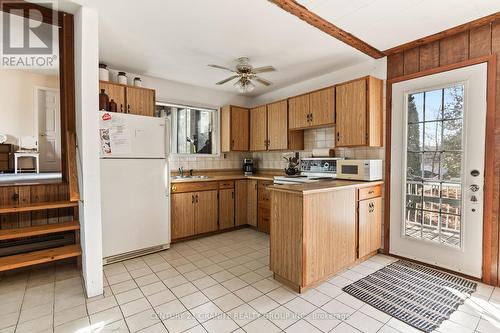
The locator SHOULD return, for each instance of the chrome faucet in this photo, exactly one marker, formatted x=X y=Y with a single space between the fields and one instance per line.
x=181 y=171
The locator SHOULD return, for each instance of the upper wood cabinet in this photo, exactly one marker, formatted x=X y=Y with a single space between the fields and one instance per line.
x=269 y=129
x=316 y=109
x=234 y=128
x=140 y=101
x=258 y=128
x=359 y=113
x=115 y=92
x=299 y=109
x=133 y=100
x=322 y=106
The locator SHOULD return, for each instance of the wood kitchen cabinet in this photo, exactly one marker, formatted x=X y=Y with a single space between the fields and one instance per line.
x=226 y=204
x=359 y=113
x=241 y=202
x=129 y=99
x=140 y=101
x=206 y=212
x=193 y=212
x=315 y=109
x=258 y=128
x=264 y=206
x=269 y=129
x=182 y=211
x=115 y=92
x=369 y=221
x=234 y=128
x=252 y=202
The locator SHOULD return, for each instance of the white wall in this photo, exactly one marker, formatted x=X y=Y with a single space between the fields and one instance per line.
x=87 y=104
x=181 y=93
x=374 y=67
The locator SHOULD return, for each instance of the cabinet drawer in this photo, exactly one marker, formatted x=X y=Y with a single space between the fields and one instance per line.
x=370 y=192
x=193 y=187
x=4 y=157
x=226 y=184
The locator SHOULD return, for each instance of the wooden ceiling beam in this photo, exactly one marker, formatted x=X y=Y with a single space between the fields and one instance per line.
x=446 y=33
x=320 y=23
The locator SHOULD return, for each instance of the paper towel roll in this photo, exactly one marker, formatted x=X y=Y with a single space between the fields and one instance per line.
x=323 y=152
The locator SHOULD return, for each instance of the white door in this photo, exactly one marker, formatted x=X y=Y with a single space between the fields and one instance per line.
x=49 y=127
x=437 y=168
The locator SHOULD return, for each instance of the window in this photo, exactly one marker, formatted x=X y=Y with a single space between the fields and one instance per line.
x=194 y=129
x=434 y=142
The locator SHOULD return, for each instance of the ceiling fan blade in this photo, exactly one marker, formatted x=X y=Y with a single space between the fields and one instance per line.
x=263 y=81
x=264 y=69
x=222 y=67
x=227 y=80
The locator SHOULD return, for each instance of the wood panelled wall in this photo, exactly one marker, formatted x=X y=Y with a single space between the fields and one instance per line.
x=466 y=45
x=27 y=194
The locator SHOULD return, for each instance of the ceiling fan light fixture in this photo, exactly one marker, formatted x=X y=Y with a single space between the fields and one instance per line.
x=244 y=86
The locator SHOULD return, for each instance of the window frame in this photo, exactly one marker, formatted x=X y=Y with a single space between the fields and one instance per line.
x=173 y=129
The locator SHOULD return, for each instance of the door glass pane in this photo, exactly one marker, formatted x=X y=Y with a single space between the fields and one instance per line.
x=433 y=198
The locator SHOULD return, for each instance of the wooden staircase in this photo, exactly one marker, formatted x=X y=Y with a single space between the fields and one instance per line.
x=28 y=212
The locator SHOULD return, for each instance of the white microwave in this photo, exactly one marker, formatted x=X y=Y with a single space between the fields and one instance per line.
x=367 y=170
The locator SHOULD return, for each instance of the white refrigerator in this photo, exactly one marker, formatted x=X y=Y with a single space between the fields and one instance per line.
x=135 y=185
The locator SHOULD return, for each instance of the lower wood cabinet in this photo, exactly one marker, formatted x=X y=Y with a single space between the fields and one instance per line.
x=241 y=202
x=369 y=223
x=194 y=213
x=226 y=208
x=264 y=206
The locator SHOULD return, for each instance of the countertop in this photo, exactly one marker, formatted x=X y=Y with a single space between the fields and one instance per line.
x=216 y=176
x=322 y=186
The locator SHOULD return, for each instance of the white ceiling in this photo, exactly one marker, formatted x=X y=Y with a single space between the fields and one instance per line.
x=176 y=39
x=388 y=23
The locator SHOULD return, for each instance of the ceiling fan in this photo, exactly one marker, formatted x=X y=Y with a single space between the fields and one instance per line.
x=245 y=73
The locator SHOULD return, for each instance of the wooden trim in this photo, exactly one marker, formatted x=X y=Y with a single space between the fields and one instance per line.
x=446 y=33
x=489 y=275
x=320 y=23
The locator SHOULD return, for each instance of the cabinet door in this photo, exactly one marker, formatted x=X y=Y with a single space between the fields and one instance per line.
x=323 y=107
x=258 y=128
x=264 y=207
x=350 y=101
x=140 y=101
x=277 y=125
x=206 y=211
x=241 y=205
x=115 y=92
x=225 y=129
x=252 y=202
x=370 y=226
x=239 y=129
x=226 y=209
x=182 y=215
x=298 y=111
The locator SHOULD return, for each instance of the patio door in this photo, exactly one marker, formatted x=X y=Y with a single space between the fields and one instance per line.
x=437 y=168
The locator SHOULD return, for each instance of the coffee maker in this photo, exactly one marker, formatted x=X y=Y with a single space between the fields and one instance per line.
x=248 y=166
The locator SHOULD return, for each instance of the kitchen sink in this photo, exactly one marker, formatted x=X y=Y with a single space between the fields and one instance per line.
x=189 y=177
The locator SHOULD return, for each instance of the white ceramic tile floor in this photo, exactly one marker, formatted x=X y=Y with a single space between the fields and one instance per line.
x=219 y=283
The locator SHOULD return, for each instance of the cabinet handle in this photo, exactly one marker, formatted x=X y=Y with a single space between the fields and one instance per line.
x=128 y=108
x=192 y=198
x=174 y=188
x=232 y=143
x=121 y=108
x=312 y=116
x=232 y=195
x=338 y=136
x=371 y=192
x=197 y=198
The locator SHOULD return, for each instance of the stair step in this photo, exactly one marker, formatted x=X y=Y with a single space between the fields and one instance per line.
x=39 y=257
x=38 y=230
x=37 y=206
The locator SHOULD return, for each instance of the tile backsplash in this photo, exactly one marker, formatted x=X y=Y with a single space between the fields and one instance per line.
x=313 y=138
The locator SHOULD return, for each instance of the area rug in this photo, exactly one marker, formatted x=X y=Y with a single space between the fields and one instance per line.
x=417 y=295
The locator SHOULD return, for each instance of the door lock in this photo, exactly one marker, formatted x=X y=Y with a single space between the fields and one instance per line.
x=474 y=188
x=473 y=198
